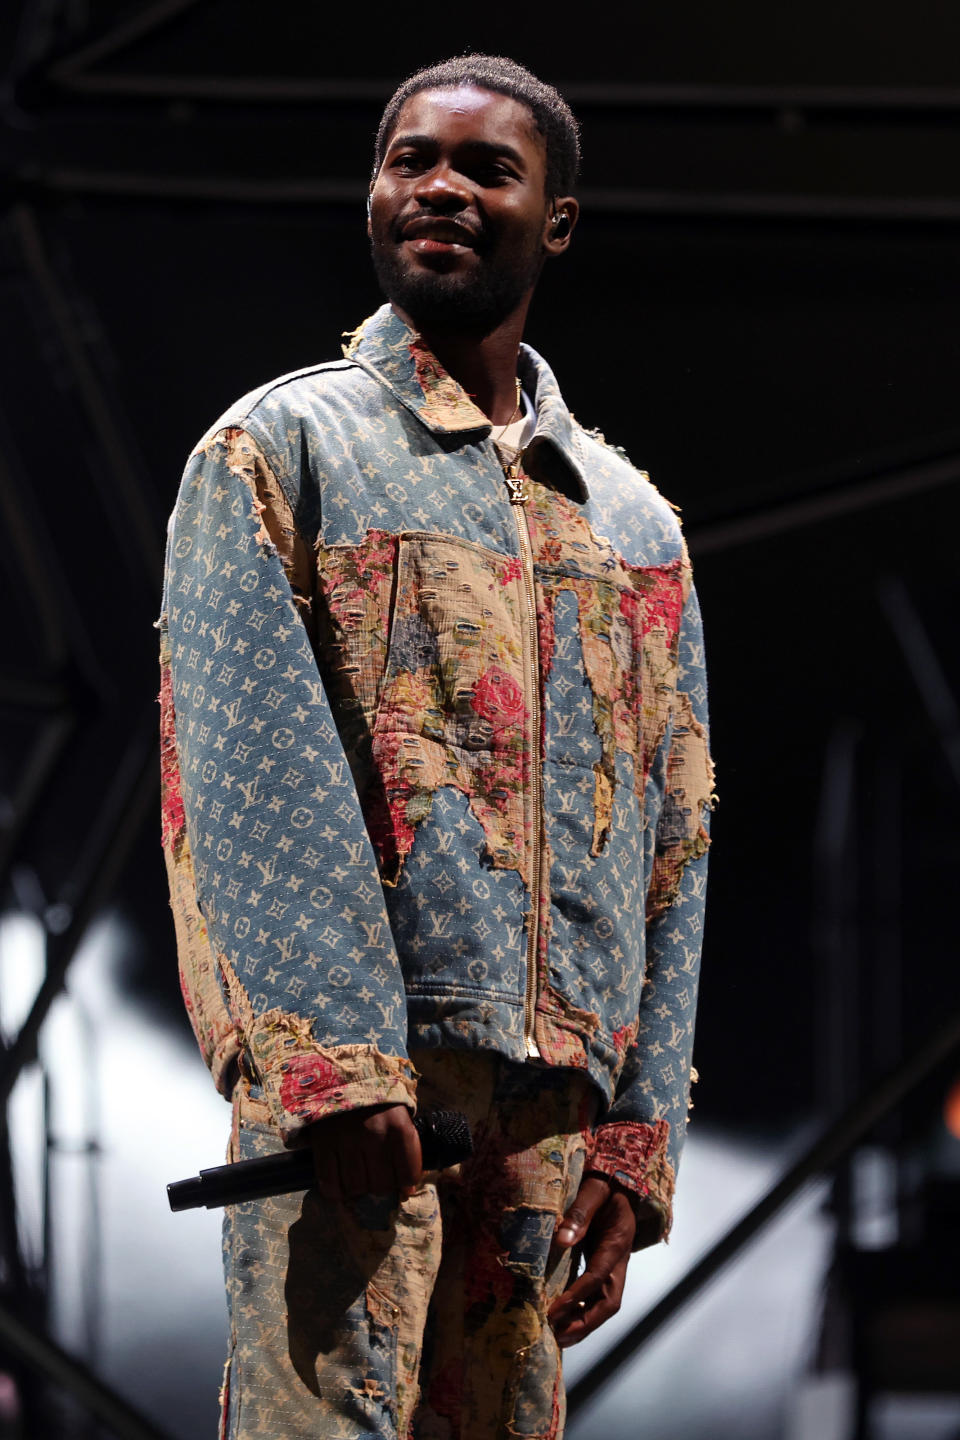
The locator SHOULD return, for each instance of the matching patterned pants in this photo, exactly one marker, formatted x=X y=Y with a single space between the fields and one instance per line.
x=423 y=1322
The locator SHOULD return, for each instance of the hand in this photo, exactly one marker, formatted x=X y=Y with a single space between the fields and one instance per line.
x=601 y=1219
x=371 y=1151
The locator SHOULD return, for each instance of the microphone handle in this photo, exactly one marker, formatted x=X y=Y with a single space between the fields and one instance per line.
x=444 y=1139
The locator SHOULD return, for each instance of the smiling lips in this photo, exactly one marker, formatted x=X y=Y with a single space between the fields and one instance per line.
x=431 y=235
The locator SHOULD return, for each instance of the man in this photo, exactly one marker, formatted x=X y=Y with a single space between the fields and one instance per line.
x=435 y=789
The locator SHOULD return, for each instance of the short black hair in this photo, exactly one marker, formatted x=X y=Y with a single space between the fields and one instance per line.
x=552 y=115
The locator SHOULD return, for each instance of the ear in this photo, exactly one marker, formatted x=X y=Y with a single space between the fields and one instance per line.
x=561 y=222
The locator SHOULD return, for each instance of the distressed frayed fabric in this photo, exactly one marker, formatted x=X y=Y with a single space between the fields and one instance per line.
x=436 y=787
x=422 y=1322
x=435 y=764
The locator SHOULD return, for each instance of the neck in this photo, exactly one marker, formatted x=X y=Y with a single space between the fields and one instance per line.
x=486 y=366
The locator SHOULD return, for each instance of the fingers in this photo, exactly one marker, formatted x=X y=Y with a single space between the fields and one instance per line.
x=375 y=1150
x=588 y=1302
x=602 y=1218
x=593 y=1192
x=407 y=1155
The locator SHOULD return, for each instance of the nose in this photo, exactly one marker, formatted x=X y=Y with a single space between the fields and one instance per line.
x=443 y=189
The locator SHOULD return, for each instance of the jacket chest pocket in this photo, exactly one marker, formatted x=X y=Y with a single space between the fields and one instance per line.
x=451 y=709
x=454 y=666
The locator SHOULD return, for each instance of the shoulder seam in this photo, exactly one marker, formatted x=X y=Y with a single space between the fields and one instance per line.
x=237 y=415
x=271 y=385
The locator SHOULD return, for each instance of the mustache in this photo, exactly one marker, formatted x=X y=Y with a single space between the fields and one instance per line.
x=447 y=227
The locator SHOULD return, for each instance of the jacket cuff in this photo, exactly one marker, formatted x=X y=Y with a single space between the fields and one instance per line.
x=317 y=1081
x=635 y=1156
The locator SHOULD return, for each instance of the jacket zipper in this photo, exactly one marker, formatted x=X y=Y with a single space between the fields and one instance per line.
x=531 y=673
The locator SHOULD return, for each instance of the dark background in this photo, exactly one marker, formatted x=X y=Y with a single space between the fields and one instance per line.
x=762 y=305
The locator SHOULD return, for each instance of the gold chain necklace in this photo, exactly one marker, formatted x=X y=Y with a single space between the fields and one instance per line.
x=515 y=416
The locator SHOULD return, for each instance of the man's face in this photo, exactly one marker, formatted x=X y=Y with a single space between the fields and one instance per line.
x=459 y=212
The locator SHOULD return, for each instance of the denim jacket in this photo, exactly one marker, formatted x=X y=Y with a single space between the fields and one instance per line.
x=435 y=766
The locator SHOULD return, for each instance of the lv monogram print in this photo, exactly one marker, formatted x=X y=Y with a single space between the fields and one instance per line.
x=435 y=766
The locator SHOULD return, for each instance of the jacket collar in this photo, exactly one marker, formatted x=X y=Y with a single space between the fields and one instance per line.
x=395 y=355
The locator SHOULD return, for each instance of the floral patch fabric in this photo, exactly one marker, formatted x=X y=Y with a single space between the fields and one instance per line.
x=423 y=1321
x=435 y=764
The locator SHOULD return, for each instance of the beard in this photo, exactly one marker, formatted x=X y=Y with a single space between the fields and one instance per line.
x=450 y=301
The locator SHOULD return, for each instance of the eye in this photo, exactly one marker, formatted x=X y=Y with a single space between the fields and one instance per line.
x=407 y=161
x=493 y=172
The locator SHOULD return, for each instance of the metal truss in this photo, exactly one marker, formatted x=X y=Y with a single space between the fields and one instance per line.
x=78 y=1380
x=832 y=1146
x=67 y=72
x=65 y=698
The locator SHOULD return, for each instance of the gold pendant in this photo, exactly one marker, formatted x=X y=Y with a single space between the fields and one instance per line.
x=515 y=484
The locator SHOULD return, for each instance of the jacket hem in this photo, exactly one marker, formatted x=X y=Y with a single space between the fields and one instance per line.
x=452 y=1022
x=458 y=1022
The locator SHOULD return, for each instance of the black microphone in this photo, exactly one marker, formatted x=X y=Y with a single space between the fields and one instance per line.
x=445 y=1140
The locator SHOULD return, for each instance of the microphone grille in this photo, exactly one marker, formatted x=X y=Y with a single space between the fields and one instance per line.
x=444 y=1137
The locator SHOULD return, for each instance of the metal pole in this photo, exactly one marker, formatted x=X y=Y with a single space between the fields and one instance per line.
x=36 y=772
x=853 y=101
x=121 y=37
x=138 y=528
x=45 y=1356
x=843 y=498
x=21 y=530
x=822 y=1155
x=126 y=808
x=925 y=666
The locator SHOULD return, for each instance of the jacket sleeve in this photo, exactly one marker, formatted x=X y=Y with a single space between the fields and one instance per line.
x=640 y=1139
x=287 y=956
